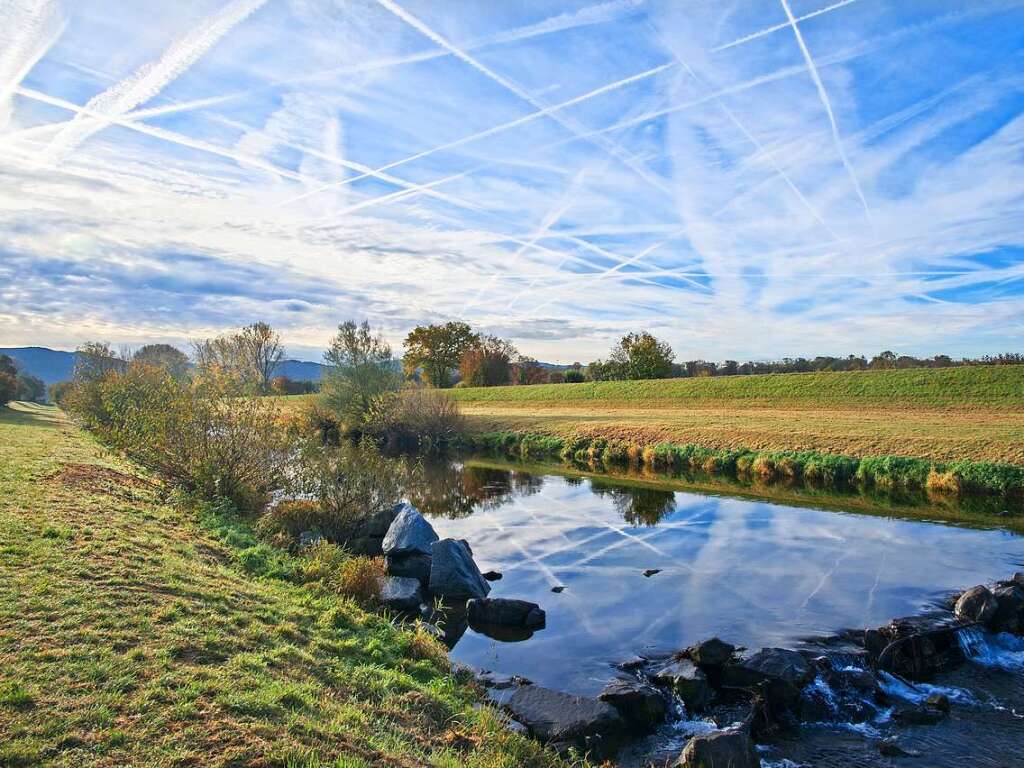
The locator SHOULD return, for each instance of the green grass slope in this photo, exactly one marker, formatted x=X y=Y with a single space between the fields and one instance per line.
x=134 y=631
x=967 y=387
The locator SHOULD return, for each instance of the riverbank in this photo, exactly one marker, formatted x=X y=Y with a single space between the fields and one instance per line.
x=942 y=415
x=138 y=630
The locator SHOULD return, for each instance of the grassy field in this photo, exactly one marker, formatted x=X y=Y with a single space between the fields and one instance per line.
x=947 y=414
x=133 y=632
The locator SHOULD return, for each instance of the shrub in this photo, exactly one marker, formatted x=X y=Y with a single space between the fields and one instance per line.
x=361 y=378
x=340 y=488
x=333 y=569
x=422 y=419
x=892 y=472
x=574 y=376
x=60 y=391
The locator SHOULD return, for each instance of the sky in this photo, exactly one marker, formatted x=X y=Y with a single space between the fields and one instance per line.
x=749 y=180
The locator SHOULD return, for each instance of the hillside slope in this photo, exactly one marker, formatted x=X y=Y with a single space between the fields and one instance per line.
x=131 y=634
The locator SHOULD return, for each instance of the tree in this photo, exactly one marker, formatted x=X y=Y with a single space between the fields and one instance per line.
x=884 y=361
x=59 y=391
x=488 y=363
x=8 y=379
x=250 y=356
x=528 y=371
x=642 y=356
x=171 y=359
x=31 y=388
x=574 y=376
x=361 y=372
x=95 y=360
x=437 y=350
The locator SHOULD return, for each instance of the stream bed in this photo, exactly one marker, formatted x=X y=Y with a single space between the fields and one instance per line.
x=648 y=569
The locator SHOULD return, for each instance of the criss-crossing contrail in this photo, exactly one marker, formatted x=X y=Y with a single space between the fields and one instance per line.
x=813 y=70
x=608 y=146
x=550 y=110
x=783 y=25
x=151 y=78
x=27 y=30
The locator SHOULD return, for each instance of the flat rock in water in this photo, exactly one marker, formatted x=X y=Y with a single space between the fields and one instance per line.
x=724 y=749
x=770 y=664
x=554 y=716
x=492 y=575
x=453 y=574
x=558 y=590
x=651 y=572
x=401 y=594
x=409 y=533
x=689 y=682
x=504 y=612
x=642 y=706
x=977 y=604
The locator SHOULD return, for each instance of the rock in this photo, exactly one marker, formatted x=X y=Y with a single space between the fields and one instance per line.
x=689 y=682
x=414 y=566
x=977 y=604
x=891 y=748
x=492 y=576
x=1018 y=579
x=309 y=538
x=401 y=594
x=712 y=653
x=633 y=662
x=858 y=679
x=918 y=646
x=651 y=571
x=453 y=574
x=907 y=713
x=938 y=701
x=1009 y=609
x=409 y=533
x=503 y=612
x=558 y=590
x=724 y=749
x=642 y=706
x=500 y=682
x=770 y=664
x=553 y=716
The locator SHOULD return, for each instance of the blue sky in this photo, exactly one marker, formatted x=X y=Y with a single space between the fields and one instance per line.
x=754 y=179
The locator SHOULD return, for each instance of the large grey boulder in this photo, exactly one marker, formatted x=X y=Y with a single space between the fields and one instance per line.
x=453 y=574
x=503 y=612
x=401 y=594
x=642 y=706
x=688 y=681
x=724 y=749
x=409 y=533
x=977 y=604
x=553 y=716
x=414 y=566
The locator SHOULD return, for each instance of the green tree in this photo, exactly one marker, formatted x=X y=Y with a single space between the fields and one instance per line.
x=59 y=391
x=31 y=388
x=437 y=350
x=250 y=356
x=8 y=380
x=642 y=356
x=171 y=359
x=361 y=373
x=95 y=360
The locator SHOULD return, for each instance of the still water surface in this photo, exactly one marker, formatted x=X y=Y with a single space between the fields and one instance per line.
x=752 y=572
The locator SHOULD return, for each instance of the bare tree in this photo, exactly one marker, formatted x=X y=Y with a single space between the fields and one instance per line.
x=252 y=354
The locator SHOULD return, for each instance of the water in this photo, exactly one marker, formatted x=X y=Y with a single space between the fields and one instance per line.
x=752 y=572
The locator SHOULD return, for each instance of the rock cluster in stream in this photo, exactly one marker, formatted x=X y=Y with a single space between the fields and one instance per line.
x=422 y=567
x=752 y=695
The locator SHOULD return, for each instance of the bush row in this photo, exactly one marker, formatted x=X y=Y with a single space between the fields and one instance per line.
x=812 y=467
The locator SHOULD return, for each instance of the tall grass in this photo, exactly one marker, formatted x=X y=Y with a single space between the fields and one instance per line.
x=889 y=473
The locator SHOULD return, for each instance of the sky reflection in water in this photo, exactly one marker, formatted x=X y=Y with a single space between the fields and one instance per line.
x=754 y=573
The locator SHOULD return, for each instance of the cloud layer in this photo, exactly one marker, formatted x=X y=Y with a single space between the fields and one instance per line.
x=747 y=180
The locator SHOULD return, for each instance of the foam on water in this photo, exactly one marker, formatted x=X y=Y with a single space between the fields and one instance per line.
x=1001 y=650
x=919 y=692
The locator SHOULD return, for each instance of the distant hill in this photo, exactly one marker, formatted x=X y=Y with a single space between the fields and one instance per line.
x=53 y=365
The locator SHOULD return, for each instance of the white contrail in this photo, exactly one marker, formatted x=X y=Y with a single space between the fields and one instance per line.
x=828 y=106
x=777 y=27
x=27 y=30
x=608 y=146
x=495 y=130
x=151 y=78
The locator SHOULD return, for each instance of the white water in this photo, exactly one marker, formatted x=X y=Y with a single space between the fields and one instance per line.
x=1003 y=650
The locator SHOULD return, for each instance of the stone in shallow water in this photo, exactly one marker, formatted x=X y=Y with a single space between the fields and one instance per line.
x=414 y=566
x=1009 y=608
x=770 y=664
x=642 y=706
x=504 y=612
x=712 y=653
x=492 y=575
x=977 y=604
x=401 y=594
x=554 y=716
x=689 y=682
x=408 y=533
x=724 y=749
x=453 y=574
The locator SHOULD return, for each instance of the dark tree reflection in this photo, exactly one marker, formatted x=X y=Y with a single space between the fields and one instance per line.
x=637 y=505
x=454 y=490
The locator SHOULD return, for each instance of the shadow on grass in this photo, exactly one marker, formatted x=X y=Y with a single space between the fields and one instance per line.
x=24 y=414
